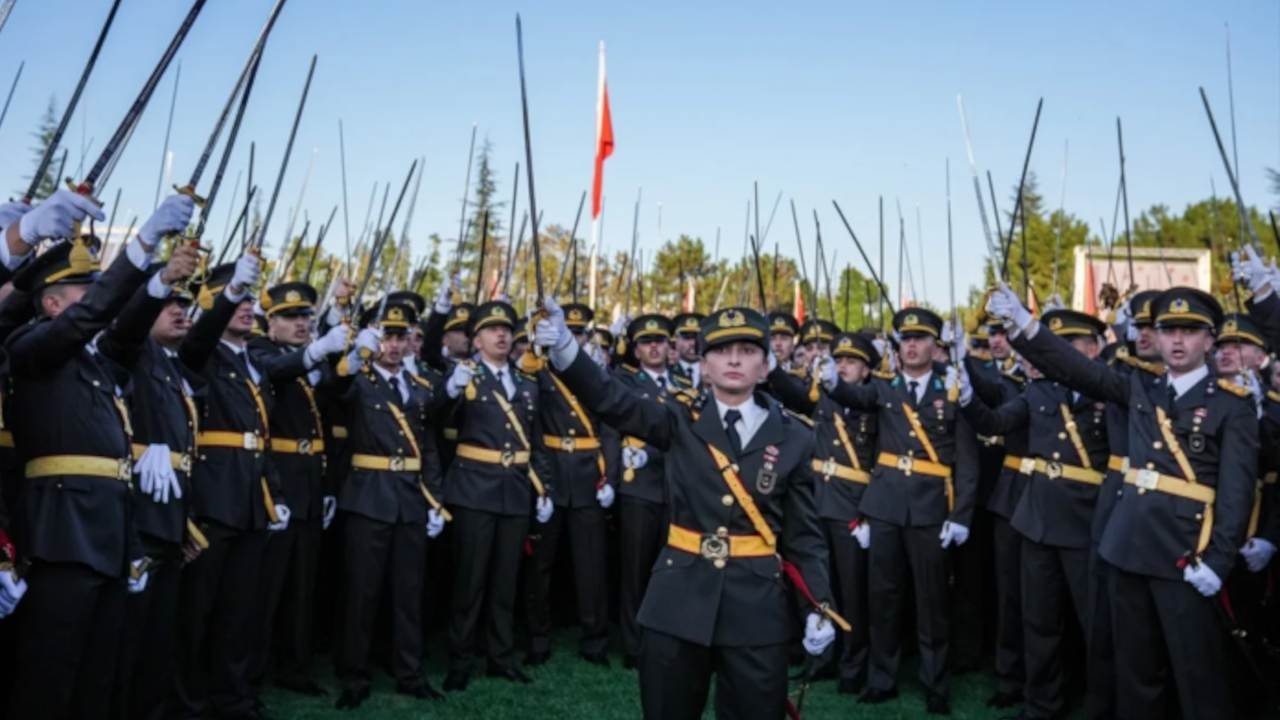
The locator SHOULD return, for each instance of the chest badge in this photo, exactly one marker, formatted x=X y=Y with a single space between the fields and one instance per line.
x=766 y=479
x=1196 y=442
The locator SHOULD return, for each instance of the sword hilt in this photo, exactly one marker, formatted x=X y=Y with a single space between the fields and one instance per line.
x=190 y=192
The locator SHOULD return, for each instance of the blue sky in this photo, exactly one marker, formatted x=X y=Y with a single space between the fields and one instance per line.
x=819 y=100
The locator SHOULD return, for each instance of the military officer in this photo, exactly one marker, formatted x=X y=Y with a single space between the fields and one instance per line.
x=783 y=330
x=817 y=334
x=741 y=487
x=687 y=363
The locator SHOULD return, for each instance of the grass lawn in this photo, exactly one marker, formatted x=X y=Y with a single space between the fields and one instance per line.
x=568 y=688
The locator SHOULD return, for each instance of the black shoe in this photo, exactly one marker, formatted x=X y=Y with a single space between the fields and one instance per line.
x=600 y=659
x=351 y=698
x=456 y=681
x=874 y=696
x=629 y=662
x=421 y=692
x=509 y=673
x=533 y=659
x=302 y=686
x=1004 y=699
x=937 y=705
x=849 y=686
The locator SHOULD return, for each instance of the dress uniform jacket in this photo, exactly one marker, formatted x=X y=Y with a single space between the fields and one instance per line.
x=390 y=496
x=297 y=427
x=494 y=487
x=227 y=482
x=742 y=601
x=917 y=499
x=995 y=386
x=1052 y=510
x=1150 y=531
x=65 y=402
x=647 y=483
x=577 y=473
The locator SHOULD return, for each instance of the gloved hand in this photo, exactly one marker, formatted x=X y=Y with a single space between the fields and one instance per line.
x=248 y=270
x=282 y=512
x=1257 y=553
x=605 y=495
x=55 y=216
x=331 y=343
x=634 y=458
x=369 y=340
x=596 y=353
x=1004 y=304
x=818 y=633
x=156 y=475
x=11 y=212
x=435 y=523
x=139 y=576
x=330 y=511
x=172 y=217
x=953 y=534
x=553 y=334
x=1249 y=269
x=12 y=588
x=444 y=296
x=1248 y=379
x=1124 y=314
x=619 y=326
x=1202 y=578
x=862 y=533
x=543 y=508
x=962 y=380
x=826 y=369
x=459 y=379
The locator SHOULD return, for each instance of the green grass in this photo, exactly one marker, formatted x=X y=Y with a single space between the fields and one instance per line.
x=567 y=688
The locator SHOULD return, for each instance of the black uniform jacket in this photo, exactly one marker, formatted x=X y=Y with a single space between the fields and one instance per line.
x=996 y=385
x=295 y=417
x=577 y=474
x=649 y=482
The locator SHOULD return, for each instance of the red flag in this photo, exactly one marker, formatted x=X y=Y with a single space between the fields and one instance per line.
x=1090 y=292
x=797 y=305
x=690 y=297
x=604 y=138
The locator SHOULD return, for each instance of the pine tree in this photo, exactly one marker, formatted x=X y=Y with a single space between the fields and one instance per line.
x=44 y=138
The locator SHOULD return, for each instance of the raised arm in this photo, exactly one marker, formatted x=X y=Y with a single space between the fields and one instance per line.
x=618 y=405
x=791 y=391
x=1058 y=360
x=1002 y=420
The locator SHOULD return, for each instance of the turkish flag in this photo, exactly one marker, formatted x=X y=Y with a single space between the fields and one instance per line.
x=604 y=138
x=797 y=305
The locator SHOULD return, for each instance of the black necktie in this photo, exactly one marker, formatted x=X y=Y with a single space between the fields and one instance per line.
x=394 y=382
x=731 y=419
x=502 y=380
x=1173 y=396
x=912 y=385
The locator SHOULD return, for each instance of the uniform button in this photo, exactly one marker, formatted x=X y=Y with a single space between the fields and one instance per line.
x=835 y=442
x=1199 y=516
x=719 y=563
x=1062 y=436
x=1057 y=456
x=670 y=562
x=722 y=532
x=1151 y=466
x=1119 y=493
x=506 y=445
x=912 y=433
x=572 y=431
x=1157 y=444
x=96 y=383
x=726 y=500
x=507 y=426
x=1142 y=491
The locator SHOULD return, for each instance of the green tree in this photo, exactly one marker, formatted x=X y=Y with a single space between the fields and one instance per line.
x=44 y=138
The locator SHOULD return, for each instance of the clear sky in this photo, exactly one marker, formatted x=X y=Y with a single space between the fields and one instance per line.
x=817 y=100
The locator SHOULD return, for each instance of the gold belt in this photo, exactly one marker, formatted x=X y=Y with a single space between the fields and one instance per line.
x=1118 y=463
x=570 y=444
x=1055 y=470
x=505 y=458
x=718 y=546
x=91 y=465
x=6 y=438
x=1267 y=479
x=397 y=463
x=339 y=432
x=829 y=468
x=1017 y=464
x=450 y=433
x=1146 y=480
x=177 y=460
x=298 y=447
x=232 y=440
x=908 y=465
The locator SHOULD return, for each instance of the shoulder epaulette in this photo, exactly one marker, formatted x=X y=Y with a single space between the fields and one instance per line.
x=1273 y=396
x=883 y=374
x=1151 y=367
x=799 y=372
x=421 y=380
x=630 y=368
x=807 y=421
x=687 y=397
x=1233 y=388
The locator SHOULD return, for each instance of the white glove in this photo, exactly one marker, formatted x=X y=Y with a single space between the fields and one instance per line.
x=12 y=588
x=596 y=353
x=1124 y=314
x=173 y=216
x=862 y=533
x=55 y=217
x=330 y=511
x=282 y=512
x=605 y=496
x=369 y=340
x=444 y=297
x=553 y=334
x=248 y=269
x=138 y=584
x=1202 y=578
x=1257 y=553
x=11 y=212
x=1248 y=268
x=619 y=326
x=818 y=634
x=156 y=475
x=953 y=534
x=331 y=343
x=544 y=508
x=1249 y=380
x=1004 y=304
x=826 y=369
x=435 y=523
x=459 y=379
x=634 y=458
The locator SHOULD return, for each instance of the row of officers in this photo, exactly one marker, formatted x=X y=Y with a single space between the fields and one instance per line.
x=169 y=467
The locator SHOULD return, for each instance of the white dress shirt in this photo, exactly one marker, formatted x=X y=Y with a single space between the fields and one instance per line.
x=503 y=373
x=922 y=383
x=402 y=380
x=1186 y=381
x=753 y=416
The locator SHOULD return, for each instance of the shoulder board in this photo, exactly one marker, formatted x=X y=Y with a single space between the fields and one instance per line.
x=684 y=396
x=807 y=421
x=1273 y=396
x=630 y=368
x=1151 y=367
x=799 y=372
x=884 y=374
x=1234 y=389
x=421 y=380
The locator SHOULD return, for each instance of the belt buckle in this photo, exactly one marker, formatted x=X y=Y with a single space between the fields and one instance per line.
x=904 y=463
x=1147 y=479
x=1124 y=464
x=1053 y=469
x=250 y=441
x=396 y=464
x=124 y=470
x=714 y=548
x=568 y=443
x=829 y=467
x=1027 y=466
x=304 y=447
x=507 y=458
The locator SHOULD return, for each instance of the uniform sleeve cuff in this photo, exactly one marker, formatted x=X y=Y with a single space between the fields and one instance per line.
x=157 y=289
x=139 y=255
